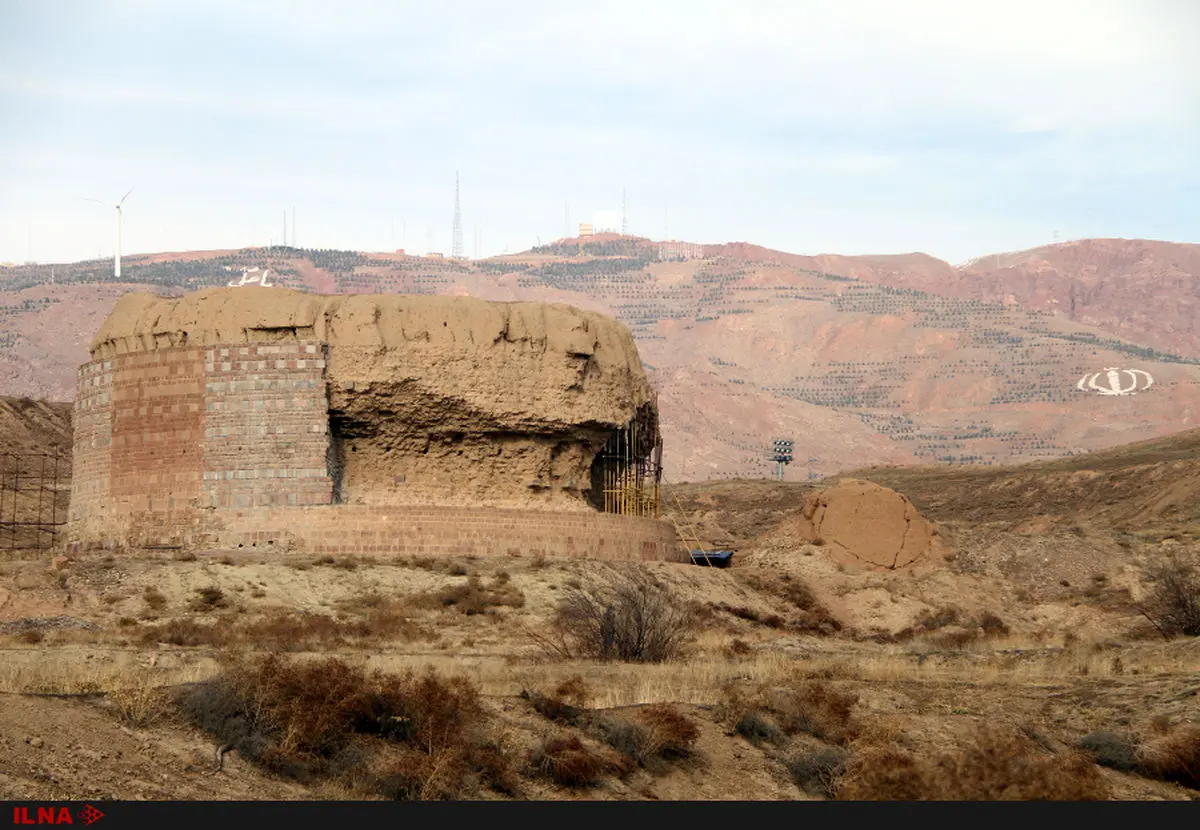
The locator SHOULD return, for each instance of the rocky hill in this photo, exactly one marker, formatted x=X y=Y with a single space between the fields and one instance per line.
x=860 y=360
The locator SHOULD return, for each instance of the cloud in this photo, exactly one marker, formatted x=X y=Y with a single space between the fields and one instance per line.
x=732 y=115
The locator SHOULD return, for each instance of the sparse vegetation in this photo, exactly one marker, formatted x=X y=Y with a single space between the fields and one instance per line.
x=993 y=766
x=565 y=760
x=154 y=599
x=475 y=597
x=1174 y=756
x=403 y=736
x=208 y=598
x=817 y=772
x=633 y=618
x=1116 y=750
x=1173 y=601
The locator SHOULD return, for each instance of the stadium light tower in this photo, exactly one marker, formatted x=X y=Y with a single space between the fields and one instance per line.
x=781 y=454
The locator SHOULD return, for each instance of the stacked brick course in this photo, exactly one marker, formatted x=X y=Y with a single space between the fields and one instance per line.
x=227 y=446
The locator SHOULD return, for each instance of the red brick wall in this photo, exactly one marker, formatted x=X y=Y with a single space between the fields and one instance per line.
x=91 y=453
x=157 y=427
x=266 y=425
x=348 y=529
x=225 y=447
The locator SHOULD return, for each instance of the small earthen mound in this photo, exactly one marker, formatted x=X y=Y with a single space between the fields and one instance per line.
x=876 y=526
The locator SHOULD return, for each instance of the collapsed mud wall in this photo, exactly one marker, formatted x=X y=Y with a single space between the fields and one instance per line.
x=871 y=525
x=375 y=400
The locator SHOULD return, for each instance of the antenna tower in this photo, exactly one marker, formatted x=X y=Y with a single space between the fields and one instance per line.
x=456 y=245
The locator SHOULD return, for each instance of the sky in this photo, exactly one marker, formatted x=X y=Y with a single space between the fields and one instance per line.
x=953 y=128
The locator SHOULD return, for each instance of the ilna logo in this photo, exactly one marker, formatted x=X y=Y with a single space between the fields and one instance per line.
x=56 y=815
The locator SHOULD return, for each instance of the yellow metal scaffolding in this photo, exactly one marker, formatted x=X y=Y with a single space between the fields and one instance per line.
x=632 y=468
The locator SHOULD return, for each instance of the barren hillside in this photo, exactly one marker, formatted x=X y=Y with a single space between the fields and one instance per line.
x=1014 y=649
x=859 y=360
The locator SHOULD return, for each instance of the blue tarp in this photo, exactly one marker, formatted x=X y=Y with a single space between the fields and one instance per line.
x=712 y=558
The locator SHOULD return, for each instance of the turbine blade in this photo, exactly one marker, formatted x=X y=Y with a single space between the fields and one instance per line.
x=126 y=196
x=97 y=201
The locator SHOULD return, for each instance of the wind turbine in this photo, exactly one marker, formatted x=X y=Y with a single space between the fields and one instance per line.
x=117 y=253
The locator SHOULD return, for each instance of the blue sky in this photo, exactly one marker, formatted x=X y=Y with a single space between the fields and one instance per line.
x=953 y=128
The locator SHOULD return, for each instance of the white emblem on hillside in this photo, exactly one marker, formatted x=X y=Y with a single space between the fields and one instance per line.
x=1111 y=382
x=252 y=276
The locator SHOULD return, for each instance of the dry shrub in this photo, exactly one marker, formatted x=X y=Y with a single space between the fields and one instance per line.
x=187 y=632
x=208 y=598
x=750 y=615
x=633 y=619
x=932 y=620
x=668 y=733
x=817 y=772
x=1174 y=757
x=737 y=648
x=473 y=597
x=810 y=615
x=994 y=767
x=992 y=625
x=575 y=690
x=294 y=631
x=1173 y=600
x=291 y=630
x=814 y=708
x=327 y=719
x=1116 y=750
x=552 y=707
x=953 y=638
x=141 y=704
x=31 y=636
x=154 y=600
x=658 y=733
x=565 y=760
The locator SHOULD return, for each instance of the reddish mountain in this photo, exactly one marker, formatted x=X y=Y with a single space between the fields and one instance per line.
x=860 y=360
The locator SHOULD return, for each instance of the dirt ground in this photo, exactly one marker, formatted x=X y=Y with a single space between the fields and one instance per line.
x=1025 y=619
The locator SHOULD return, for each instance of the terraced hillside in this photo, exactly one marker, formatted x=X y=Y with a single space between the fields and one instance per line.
x=743 y=343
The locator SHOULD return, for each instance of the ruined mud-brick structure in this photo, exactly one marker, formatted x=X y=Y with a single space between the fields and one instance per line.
x=273 y=419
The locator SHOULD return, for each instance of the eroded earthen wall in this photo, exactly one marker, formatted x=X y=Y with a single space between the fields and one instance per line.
x=324 y=419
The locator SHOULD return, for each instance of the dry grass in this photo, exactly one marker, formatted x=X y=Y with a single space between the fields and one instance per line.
x=807 y=614
x=668 y=733
x=141 y=703
x=208 y=598
x=564 y=704
x=67 y=674
x=403 y=736
x=473 y=596
x=565 y=760
x=1174 y=757
x=772 y=712
x=364 y=621
x=994 y=766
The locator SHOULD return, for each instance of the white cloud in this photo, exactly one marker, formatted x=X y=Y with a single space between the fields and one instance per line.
x=944 y=106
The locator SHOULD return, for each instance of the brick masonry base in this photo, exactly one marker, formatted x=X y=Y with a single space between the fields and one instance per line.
x=391 y=530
